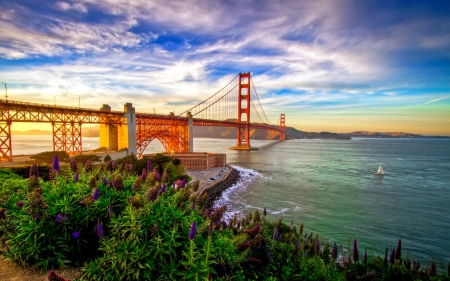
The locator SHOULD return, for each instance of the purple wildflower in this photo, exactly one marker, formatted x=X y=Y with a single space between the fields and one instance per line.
x=296 y=246
x=96 y=194
x=149 y=166
x=144 y=174
x=317 y=248
x=392 y=258
x=193 y=231
x=269 y=257
x=19 y=204
x=398 y=252
x=110 y=211
x=158 y=177
x=163 y=189
x=355 y=251
x=224 y=224
x=3 y=213
x=111 y=184
x=252 y=232
x=365 y=256
x=334 y=252
x=55 y=165
x=127 y=167
x=76 y=235
x=73 y=165
x=433 y=269
x=60 y=218
x=76 y=178
x=280 y=237
x=275 y=234
x=99 y=229
x=104 y=181
x=34 y=171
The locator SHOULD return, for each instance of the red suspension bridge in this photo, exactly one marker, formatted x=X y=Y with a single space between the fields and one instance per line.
x=235 y=105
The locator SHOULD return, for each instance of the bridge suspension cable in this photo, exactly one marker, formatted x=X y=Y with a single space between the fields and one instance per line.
x=259 y=101
x=220 y=106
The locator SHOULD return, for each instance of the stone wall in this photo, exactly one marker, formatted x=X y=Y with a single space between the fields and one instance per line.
x=215 y=189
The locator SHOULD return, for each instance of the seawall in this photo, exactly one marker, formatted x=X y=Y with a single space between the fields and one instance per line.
x=215 y=189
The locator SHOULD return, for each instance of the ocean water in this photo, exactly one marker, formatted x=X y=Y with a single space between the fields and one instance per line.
x=329 y=185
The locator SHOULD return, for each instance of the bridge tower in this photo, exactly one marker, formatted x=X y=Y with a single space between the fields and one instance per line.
x=283 y=127
x=243 y=140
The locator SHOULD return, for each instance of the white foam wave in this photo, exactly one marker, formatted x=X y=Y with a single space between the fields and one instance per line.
x=246 y=176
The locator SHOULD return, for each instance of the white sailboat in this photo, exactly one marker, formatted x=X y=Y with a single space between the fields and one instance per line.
x=380 y=171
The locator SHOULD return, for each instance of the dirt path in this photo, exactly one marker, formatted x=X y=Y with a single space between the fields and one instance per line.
x=10 y=271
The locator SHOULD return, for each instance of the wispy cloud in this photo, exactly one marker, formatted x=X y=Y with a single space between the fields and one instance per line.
x=311 y=55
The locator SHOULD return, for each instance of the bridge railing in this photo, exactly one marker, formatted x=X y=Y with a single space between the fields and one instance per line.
x=8 y=102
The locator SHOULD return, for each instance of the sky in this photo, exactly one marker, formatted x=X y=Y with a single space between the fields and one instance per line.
x=337 y=66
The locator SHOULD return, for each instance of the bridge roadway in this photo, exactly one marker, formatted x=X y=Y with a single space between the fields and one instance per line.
x=17 y=111
x=134 y=130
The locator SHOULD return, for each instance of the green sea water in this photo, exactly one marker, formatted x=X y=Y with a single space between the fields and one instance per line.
x=330 y=186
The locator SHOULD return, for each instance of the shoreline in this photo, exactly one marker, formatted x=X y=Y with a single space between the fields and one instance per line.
x=215 y=189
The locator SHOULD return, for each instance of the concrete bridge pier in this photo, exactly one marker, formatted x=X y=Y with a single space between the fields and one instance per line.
x=115 y=137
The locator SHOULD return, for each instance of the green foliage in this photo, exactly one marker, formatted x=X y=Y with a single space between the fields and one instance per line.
x=48 y=156
x=24 y=172
x=148 y=237
x=81 y=158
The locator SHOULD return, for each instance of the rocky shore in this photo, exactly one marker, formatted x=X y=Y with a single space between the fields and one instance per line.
x=215 y=189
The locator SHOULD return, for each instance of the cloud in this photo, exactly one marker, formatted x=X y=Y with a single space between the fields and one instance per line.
x=302 y=54
x=428 y=102
x=77 y=7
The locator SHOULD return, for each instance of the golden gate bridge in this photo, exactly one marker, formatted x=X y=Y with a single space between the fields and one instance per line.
x=235 y=105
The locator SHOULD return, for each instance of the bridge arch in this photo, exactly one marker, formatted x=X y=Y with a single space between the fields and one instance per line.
x=172 y=133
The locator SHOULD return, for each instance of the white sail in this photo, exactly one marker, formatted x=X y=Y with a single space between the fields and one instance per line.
x=380 y=171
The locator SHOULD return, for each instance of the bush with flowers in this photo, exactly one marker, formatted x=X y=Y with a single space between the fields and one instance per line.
x=121 y=224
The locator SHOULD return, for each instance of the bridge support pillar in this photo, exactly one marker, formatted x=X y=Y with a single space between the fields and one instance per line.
x=190 y=131
x=67 y=137
x=5 y=142
x=243 y=141
x=283 y=127
x=108 y=133
x=127 y=132
x=115 y=137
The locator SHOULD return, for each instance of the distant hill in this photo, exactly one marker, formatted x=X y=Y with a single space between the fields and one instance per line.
x=231 y=133
x=31 y=132
x=219 y=132
x=85 y=132
x=366 y=134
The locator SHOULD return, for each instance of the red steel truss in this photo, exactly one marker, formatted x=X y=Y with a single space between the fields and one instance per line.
x=5 y=141
x=32 y=112
x=67 y=137
x=171 y=131
x=66 y=123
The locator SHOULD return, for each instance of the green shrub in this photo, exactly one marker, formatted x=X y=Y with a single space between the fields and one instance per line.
x=82 y=158
x=48 y=156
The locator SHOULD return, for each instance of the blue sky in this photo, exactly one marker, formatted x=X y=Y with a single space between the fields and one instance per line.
x=335 y=66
